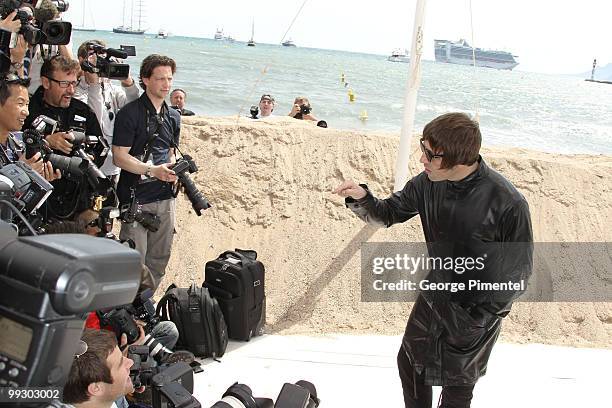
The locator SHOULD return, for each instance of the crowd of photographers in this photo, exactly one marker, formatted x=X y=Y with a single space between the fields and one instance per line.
x=79 y=147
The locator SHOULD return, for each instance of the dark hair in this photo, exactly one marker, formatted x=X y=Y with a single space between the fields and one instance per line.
x=83 y=50
x=151 y=62
x=6 y=88
x=58 y=63
x=457 y=136
x=178 y=90
x=47 y=11
x=91 y=366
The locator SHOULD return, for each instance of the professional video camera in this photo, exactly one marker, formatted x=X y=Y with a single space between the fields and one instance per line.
x=106 y=66
x=47 y=285
x=181 y=167
x=22 y=192
x=53 y=32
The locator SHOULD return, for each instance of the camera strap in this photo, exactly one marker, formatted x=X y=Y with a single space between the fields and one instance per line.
x=159 y=119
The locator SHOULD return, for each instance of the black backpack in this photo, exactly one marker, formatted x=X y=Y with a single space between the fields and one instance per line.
x=198 y=318
x=237 y=280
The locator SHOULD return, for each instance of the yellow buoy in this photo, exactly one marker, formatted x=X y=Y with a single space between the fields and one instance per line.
x=363 y=116
x=351 y=95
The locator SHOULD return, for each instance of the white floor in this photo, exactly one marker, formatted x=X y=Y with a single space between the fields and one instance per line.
x=360 y=371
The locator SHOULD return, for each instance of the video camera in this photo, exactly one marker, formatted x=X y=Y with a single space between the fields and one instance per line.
x=52 y=32
x=47 y=285
x=181 y=167
x=106 y=66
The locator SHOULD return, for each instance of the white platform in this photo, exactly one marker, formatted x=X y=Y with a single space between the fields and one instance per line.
x=360 y=371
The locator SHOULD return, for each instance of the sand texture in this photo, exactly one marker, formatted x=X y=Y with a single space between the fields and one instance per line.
x=270 y=184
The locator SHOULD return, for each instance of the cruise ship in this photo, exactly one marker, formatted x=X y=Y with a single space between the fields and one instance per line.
x=460 y=52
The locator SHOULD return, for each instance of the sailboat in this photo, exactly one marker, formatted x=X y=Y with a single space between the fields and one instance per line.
x=123 y=29
x=82 y=26
x=251 y=42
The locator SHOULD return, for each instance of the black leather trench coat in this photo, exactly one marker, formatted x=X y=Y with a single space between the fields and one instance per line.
x=449 y=336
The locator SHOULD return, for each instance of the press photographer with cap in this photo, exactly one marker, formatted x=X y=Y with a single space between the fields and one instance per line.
x=55 y=99
x=105 y=98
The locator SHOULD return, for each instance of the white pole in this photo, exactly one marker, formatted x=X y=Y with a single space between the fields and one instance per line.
x=412 y=88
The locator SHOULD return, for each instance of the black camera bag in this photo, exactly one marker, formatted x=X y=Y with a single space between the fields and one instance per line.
x=198 y=318
x=236 y=280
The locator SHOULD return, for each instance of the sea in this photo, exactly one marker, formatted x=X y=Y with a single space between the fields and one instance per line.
x=552 y=113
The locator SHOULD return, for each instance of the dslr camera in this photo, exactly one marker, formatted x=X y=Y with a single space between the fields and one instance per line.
x=106 y=65
x=133 y=213
x=183 y=166
x=52 y=32
x=305 y=109
x=302 y=394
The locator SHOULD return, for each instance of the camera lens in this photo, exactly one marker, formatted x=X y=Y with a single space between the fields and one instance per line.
x=198 y=201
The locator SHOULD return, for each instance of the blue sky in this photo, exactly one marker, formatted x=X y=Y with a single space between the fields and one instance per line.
x=548 y=36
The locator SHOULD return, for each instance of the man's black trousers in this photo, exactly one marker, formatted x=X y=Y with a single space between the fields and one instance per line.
x=418 y=395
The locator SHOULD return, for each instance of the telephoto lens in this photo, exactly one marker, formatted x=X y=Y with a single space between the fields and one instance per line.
x=241 y=396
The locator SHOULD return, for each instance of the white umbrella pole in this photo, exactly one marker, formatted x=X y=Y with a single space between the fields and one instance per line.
x=412 y=88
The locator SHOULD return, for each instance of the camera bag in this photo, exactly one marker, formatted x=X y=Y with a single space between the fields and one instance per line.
x=198 y=318
x=236 y=280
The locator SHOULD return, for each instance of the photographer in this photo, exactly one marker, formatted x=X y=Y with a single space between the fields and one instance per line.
x=266 y=106
x=100 y=373
x=54 y=98
x=104 y=98
x=302 y=110
x=38 y=54
x=16 y=54
x=14 y=101
x=145 y=136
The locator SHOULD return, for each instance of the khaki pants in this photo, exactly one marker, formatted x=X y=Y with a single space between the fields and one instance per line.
x=154 y=247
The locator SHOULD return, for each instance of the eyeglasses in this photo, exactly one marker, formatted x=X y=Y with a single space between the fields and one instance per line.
x=93 y=223
x=428 y=153
x=64 y=84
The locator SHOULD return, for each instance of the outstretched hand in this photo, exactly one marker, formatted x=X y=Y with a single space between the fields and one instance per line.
x=350 y=189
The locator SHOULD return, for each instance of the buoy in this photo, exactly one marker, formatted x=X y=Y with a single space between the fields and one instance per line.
x=351 y=95
x=342 y=77
x=363 y=116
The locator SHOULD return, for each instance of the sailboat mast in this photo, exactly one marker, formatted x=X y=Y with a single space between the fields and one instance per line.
x=83 y=20
x=253 y=30
x=131 y=14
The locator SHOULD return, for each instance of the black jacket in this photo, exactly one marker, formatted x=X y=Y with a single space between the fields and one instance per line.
x=70 y=196
x=450 y=335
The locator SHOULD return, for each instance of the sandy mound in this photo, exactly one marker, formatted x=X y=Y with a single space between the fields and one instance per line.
x=270 y=183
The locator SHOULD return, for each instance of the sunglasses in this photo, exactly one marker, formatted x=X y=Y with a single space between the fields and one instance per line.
x=428 y=153
x=81 y=349
x=64 y=84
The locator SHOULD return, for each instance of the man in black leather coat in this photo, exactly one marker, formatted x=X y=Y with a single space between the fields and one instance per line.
x=465 y=207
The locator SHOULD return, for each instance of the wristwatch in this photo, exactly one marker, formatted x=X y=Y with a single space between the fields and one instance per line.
x=148 y=172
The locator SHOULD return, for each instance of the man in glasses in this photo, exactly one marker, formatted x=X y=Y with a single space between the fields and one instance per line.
x=462 y=204
x=55 y=99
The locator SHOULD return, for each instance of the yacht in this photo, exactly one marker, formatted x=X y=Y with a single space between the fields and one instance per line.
x=460 y=52
x=398 y=55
